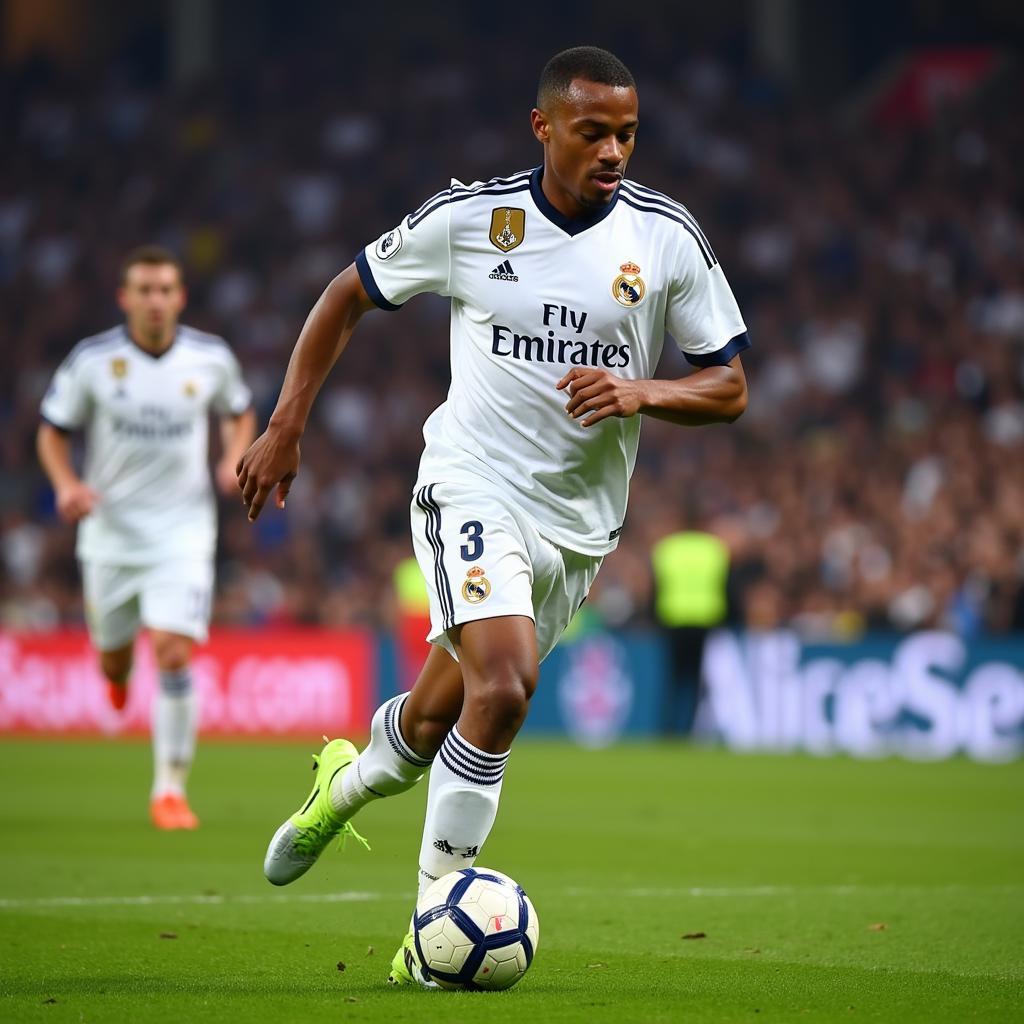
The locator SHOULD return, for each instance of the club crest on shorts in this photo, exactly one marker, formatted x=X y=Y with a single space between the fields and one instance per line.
x=628 y=288
x=476 y=587
x=508 y=227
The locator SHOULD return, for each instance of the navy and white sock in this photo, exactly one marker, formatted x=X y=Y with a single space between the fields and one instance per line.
x=462 y=802
x=175 y=725
x=387 y=766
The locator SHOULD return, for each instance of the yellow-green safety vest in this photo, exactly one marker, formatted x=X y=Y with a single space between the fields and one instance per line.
x=690 y=570
x=411 y=588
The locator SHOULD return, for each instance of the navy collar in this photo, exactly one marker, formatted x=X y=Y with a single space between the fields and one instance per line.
x=570 y=225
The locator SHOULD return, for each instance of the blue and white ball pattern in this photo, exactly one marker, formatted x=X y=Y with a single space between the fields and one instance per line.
x=475 y=929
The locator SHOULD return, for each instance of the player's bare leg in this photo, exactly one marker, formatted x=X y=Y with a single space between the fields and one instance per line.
x=175 y=724
x=116 y=666
x=434 y=704
x=500 y=667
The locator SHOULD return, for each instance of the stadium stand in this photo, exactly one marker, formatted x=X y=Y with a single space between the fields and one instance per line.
x=876 y=481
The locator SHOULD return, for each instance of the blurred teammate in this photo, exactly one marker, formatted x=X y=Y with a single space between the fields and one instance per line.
x=563 y=283
x=142 y=393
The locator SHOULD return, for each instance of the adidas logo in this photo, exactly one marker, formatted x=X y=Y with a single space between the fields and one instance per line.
x=503 y=272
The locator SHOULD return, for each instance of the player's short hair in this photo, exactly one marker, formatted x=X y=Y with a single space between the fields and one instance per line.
x=151 y=256
x=590 y=63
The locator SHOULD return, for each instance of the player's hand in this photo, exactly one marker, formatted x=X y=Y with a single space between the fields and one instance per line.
x=75 y=501
x=271 y=461
x=598 y=394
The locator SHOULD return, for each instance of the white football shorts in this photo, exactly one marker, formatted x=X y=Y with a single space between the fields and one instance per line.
x=483 y=557
x=170 y=596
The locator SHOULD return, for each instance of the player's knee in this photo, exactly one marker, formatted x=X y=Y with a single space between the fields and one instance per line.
x=172 y=653
x=503 y=697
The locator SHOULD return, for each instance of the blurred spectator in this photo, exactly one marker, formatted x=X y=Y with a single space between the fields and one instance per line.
x=691 y=570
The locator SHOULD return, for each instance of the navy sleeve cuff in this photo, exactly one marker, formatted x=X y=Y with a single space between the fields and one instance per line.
x=56 y=426
x=723 y=356
x=372 y=289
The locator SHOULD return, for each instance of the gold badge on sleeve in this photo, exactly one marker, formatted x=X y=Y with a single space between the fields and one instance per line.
x=508 y=227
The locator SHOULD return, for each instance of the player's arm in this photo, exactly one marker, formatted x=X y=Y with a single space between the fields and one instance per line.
x=75 y=498
x=236 y=434
x=713 y=394
x=273 y=459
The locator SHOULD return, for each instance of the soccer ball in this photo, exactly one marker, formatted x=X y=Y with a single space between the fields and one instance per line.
x=475 y=929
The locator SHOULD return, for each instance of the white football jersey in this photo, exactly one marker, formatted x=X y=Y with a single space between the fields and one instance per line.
x=146 y=424
x=535 y=293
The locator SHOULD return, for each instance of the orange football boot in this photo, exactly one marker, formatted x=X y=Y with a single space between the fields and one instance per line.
x=117 y=694
x=171 y=811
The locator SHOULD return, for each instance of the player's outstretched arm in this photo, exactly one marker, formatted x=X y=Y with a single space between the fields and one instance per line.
x=715 y=394
x=273 y=459
x=75 y=498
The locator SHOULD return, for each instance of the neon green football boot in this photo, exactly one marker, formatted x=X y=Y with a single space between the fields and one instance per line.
x=405 y=965
x=306 y=834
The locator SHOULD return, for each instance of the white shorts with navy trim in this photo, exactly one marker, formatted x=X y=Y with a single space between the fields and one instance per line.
x=170 y=596
x=482 y=557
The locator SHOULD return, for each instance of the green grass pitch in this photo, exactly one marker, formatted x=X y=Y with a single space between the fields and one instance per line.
x=825 y=890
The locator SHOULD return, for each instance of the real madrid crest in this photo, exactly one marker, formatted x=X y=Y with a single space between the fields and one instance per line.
x=476 y=587
x=119 y=368
x=508 y=227
x=190 y=389
x=628 y=288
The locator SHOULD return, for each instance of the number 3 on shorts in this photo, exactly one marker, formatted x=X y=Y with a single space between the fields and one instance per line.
x=474 y=548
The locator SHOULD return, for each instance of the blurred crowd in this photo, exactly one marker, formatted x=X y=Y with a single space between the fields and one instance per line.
x=875 y=482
